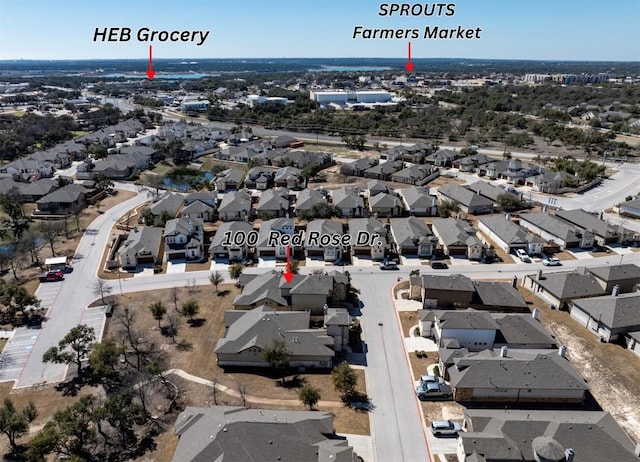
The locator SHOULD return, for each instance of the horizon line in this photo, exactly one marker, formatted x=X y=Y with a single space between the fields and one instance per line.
x=629 y=61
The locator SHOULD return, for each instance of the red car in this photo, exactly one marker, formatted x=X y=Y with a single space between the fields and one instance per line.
x=51 y=276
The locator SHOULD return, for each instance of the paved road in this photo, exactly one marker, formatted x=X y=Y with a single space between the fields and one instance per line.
x=66 y=301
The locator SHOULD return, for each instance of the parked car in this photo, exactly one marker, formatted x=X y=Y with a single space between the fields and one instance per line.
x=445 y=427
x=389 y=266
x=438 y=265
x=551 y=261
x=522 y=255
x=51 y=276
x=431 y=379
x=428 y=390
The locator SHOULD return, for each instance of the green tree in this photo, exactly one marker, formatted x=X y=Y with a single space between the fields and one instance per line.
x=509 y=202
x=104 y=357
x=344 y=379
x=446 y=207
x=190 y=309
x=216 y=279
x=158 y=310
x=277 y=356
x=294 y=266
x=354 y=141
x=102 y=182
x=14 y=423
x=122 y=414
x=79 y=340
x=12 y=207
x=235 y=271
x=309 y=395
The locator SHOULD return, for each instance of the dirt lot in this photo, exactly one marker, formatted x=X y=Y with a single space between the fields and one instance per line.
x=408 y=319
x=612 y=372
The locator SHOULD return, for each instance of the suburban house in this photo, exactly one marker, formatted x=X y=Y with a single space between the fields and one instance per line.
x=315 y=248
x=349 y=201
x=249 y=333
x=549 y=182
x=59 y=159
x=308 y=199
x=260 y=178
x=416 y=175
x=368 y=238
x=561 y=288
x=480 y=330
x=457 y=237
x=412 y=237
x=358 y=167
x=508 y=235
x=452 y=291
x=442 y=158
x=64 y=200
x=489 y=191
x=262 y=289
x=384 y=171
x=29 y=169
x=375 y=187
x=498 y=296
x=222 y=433
x=273 y=203
x=229 y=180
x=142 y=245
x=605 y=233
x=337 y=321
x=278 y=226
x=309 y=293
x=289 y=177
x=470 y=163
x=223 y=244
x=516 y=376
x=633 y=342
x=534 y=435
x=386 y=205
x=32 y=192
x=610 y=317
x=619 y=278
x=114 y=167
x=417 y=201
x=556 y=230
x=166 y=204
x=184 y=239
x=235 y=206
x=200 y=205
x=630 y=208
x=469 y=201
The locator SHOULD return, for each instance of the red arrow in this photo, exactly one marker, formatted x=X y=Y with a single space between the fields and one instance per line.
x=409 y=66
x=150 y=72
x=288 y=275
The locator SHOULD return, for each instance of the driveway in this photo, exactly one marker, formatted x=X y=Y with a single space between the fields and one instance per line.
x=176 y=267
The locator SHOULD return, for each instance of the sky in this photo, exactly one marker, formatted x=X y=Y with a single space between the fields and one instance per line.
x=592 y=30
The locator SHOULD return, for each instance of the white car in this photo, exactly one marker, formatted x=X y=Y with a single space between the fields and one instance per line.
x=522 y=255
x=431 y=379
x=551 y=261
x=445 y=427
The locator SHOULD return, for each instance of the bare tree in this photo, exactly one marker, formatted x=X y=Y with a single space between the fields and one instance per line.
x=30 y=243
x=173 y=325
x=191 y=286
x=101 y=289
x=174 y=296
x=242 y=391
x=214 y=390
x=11 y=255
x=51 y=230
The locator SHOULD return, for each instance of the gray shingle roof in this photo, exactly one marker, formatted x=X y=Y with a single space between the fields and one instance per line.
x=410 y=231
x=499 y=294
x=417 y=196
x=465 y=319
x=167 y=202
x=552 y=225
x=508 y=231
x=457 y=282
x=65 y=195
x=272 y=199
x=307 y=198
x=453 y=231
x=547 y=371
x=232 y=227
x=322 y=226
x=347 y=198
x=586 y=220
x=235 y=201
x=367 y=225
x=570 y=285
x=487 y=190
x=625 y=272
x=464 y=196
x=236 y=434
x=384 y=200
x=508 y=435
x=613 y=311
x=521 y=329
x=261 y=287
